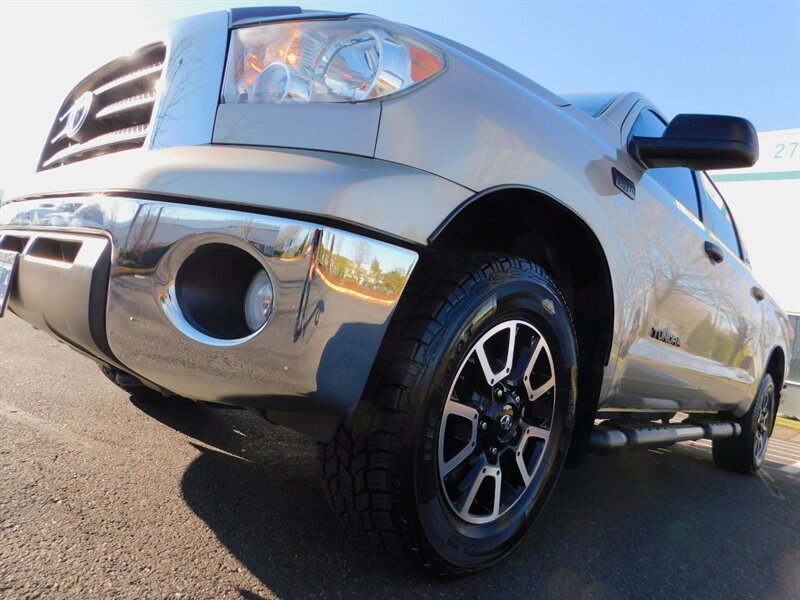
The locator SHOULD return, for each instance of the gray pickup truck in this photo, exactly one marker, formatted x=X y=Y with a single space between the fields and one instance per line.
x=452 y=279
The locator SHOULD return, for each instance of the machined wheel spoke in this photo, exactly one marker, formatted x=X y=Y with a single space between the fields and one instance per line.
x=480 y=351
x=539 y=391
x=761 y=443
x=483 y=470
x=529 y=432
x=484 y=362
x=534 y=357
x=762 y=429
x=542 y=389
x=512 y=342
x=523 y=468
x=453 y=408
x=539 y=433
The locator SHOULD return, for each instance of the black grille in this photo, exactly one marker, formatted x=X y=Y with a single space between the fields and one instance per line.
x=108 y=111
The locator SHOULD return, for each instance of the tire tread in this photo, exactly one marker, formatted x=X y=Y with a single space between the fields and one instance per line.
x=736 y=454
x=360 y=464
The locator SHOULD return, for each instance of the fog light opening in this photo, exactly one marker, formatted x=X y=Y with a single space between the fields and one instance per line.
x=224 y=292
x=258 y=301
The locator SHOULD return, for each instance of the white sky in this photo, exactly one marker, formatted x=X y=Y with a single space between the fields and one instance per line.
x=767 y=214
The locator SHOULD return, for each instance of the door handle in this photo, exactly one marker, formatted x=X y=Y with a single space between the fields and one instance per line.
x=757 y=293
x=714 y=252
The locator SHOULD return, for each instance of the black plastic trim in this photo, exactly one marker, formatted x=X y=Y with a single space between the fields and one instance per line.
x=714 y=252
x=247 y=16
x=242 y=13
x=98 y=297
x=623 y=184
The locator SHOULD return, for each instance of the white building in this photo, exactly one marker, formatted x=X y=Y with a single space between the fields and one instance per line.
x=765 y=202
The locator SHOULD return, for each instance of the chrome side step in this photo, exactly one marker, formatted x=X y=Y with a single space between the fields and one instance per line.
x=610 y=437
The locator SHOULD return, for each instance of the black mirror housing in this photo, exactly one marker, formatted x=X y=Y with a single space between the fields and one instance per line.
x=700 y=142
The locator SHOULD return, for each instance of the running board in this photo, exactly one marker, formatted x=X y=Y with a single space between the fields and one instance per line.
x=610 y=437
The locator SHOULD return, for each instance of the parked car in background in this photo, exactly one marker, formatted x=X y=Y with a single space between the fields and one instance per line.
x=453 y=279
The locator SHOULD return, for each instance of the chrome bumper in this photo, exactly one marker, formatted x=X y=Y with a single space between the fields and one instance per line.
x=334 y=295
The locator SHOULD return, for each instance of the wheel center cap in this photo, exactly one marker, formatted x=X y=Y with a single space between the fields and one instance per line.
x=506 y=421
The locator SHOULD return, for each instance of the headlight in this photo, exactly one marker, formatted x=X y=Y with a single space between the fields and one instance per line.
x=326 y=61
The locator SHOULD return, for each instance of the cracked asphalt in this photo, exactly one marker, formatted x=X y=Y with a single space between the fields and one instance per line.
x=104 y=496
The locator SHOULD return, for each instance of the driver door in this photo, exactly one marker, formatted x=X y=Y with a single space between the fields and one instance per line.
x=665 y=364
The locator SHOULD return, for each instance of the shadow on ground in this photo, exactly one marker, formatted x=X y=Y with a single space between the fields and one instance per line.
x=654 y=524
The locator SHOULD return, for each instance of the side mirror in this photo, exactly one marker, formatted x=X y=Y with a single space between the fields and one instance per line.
x=700 y=142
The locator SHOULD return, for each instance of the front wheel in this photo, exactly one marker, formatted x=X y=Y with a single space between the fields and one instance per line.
x=462 y=434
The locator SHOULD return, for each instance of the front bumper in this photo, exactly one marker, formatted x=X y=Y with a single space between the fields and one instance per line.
x=99 y=273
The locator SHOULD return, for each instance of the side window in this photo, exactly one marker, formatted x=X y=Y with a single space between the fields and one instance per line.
x=720 y=218
x=678 y=181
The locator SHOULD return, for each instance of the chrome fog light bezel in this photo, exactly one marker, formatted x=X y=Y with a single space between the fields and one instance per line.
x=177 y=305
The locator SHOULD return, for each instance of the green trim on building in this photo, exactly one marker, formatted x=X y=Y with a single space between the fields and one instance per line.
x=756 y=176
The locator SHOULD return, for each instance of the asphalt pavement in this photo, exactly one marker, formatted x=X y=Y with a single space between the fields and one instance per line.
x=104 y=496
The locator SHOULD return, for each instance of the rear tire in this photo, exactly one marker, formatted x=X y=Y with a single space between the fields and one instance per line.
x=745 y=453
x=463 y=431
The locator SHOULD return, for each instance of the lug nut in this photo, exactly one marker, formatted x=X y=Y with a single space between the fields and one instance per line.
x=484 y=426
x=498 y=392
x=493 y=451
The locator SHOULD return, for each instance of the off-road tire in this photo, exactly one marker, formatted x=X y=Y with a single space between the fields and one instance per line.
x=380 y=474
x=741 y=454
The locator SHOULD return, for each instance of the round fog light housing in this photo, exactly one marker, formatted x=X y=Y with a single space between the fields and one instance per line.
x=258 y=301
